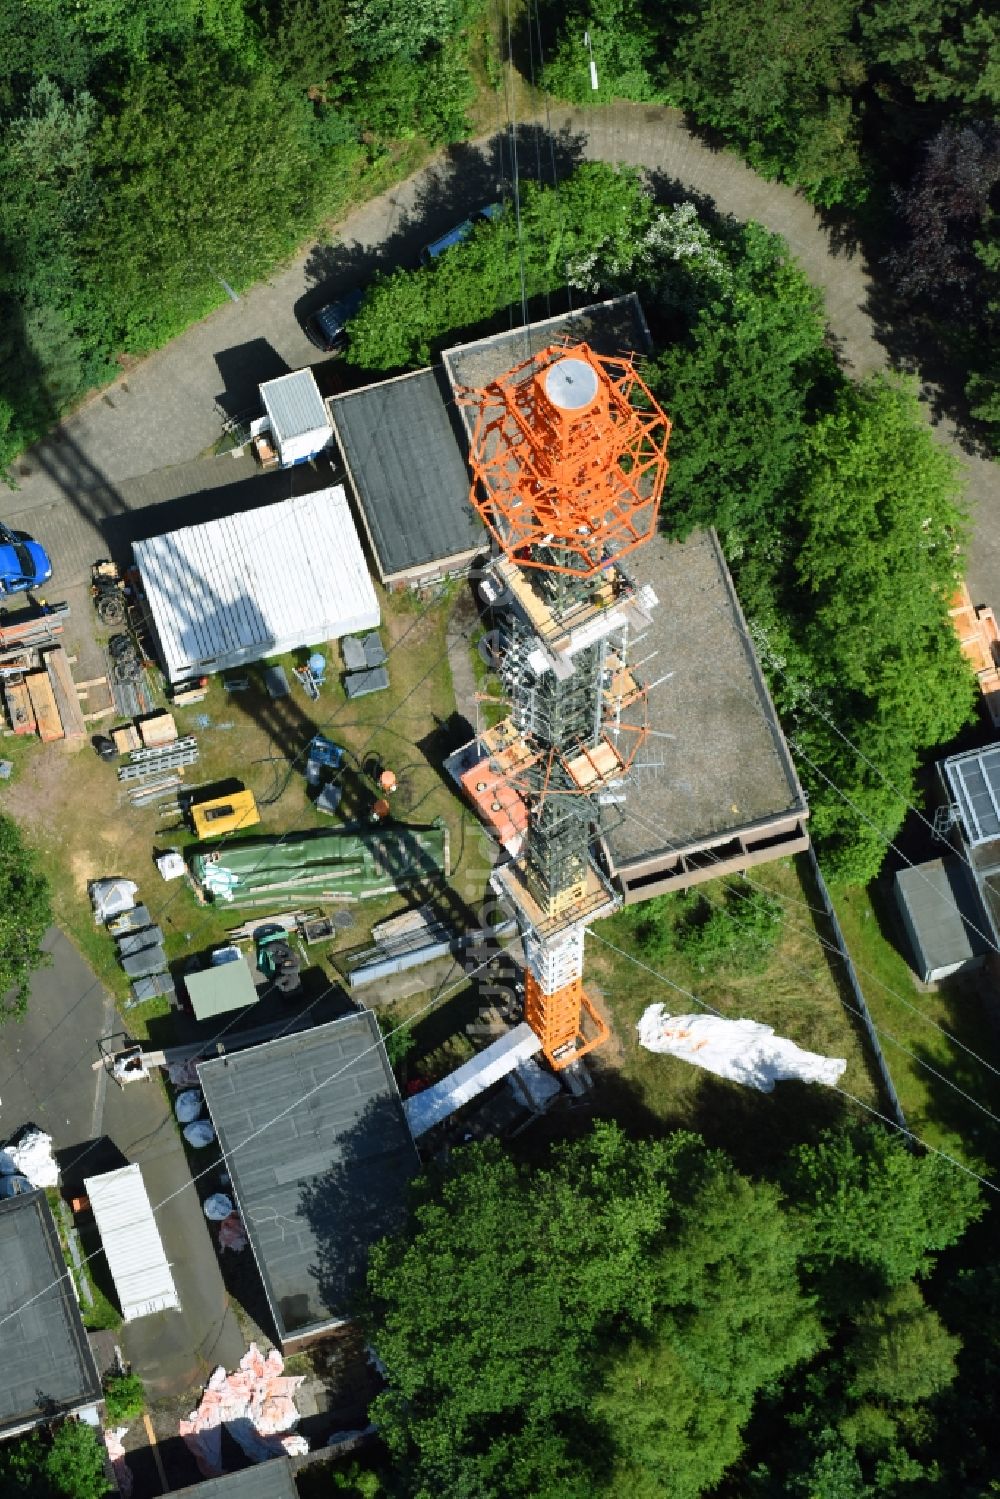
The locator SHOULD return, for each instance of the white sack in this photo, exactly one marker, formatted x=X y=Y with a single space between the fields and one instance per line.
x=31 y=1157
x=188 y=1105
x=741 y=1050
x=218 y=1207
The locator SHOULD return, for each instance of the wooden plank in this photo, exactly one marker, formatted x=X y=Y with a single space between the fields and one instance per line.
x=101 y=713
x=19 y=709
x=61 y=679
x=91 y=682
x=43 y=703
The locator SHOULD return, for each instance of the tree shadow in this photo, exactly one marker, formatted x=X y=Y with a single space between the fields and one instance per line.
x=244 y=368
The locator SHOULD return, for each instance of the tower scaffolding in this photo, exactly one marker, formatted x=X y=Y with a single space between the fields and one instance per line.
x=569 y=459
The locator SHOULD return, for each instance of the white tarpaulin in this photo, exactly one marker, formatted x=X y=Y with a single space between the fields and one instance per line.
x=741 y=1050
x=131 y=1242
x=426 y=1109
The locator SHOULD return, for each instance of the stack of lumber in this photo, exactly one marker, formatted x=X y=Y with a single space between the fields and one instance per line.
x=979 y=639
x=40 y=694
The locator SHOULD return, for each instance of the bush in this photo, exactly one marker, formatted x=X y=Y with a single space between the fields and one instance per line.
x=738 y=935
x=124 y=1397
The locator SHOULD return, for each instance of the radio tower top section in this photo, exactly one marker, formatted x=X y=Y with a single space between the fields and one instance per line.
x=569 y=459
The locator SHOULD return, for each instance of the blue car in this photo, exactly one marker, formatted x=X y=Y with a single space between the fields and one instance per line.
x=24 y=564
x=461 y=231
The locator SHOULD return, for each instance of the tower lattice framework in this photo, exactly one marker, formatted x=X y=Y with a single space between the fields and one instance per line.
x=569 y=459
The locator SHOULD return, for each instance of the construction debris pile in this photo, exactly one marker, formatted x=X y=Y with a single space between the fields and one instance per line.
x=256 y=1405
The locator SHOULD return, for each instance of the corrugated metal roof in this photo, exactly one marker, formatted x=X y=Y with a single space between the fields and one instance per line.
x=408 y=470
x=319 y=1154
x=257 y=584
x=131 y=1242
x=47 y=1367
x=294 y=405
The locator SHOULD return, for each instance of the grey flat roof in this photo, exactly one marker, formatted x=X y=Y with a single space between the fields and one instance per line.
x=944 y=912
x=614 y=327
x=47 y=1367
x=294 y=404
x=718 y=762
x=267 y=1480
x=321 y=1184
x=408 y=471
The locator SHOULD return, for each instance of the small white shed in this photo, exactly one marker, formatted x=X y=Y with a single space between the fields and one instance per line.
x=298 y=421
x=257 y=584
x=131 y=1241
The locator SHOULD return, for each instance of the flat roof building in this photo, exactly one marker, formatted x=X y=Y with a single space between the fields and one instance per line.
x=320 y=1155
x=258 y=583
x=970 y=820
x=713 y=790
x=47 y=1368
x=400 y=443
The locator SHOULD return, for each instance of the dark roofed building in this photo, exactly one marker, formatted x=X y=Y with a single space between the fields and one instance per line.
x=47 y=1367
x=714 y=790
x=402 y=455
x=318 y=1185
x=271 y=1479
x=943 y=918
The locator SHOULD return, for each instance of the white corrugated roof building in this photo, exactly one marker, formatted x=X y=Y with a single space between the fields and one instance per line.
x=257 y=584
x=131 y=1242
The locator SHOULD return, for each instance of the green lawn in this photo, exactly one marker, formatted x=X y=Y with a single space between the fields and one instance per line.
x=796 y=993
x=963 y=1006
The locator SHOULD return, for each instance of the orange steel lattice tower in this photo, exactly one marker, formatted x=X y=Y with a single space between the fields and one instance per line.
x=569 y=459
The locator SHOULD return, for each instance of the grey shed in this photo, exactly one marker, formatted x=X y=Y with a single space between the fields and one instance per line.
x=942 y=917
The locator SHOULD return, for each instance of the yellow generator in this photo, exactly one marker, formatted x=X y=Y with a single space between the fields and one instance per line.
x=224 y=814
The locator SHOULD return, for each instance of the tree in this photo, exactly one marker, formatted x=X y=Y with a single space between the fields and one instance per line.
x=851 y=613
x=65 y=1463
x=25 y=916
x=872 y=1212
x=597 y=211
x=900 y=1350
x=737 y=385
x=584 y=1324
x=778 y=79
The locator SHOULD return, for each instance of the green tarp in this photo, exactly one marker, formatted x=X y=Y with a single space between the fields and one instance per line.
x=344 y=863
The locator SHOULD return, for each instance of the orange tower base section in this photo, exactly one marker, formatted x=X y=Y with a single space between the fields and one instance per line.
x=556 y=1019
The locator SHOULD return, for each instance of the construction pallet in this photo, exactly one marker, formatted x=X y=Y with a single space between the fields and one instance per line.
x=43 y=704
x=64 y=691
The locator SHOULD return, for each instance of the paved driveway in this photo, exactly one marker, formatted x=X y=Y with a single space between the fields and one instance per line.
x=165 y=412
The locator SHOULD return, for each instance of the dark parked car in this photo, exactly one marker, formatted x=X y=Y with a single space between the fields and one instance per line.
x=327 y=328
x=461 y=231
